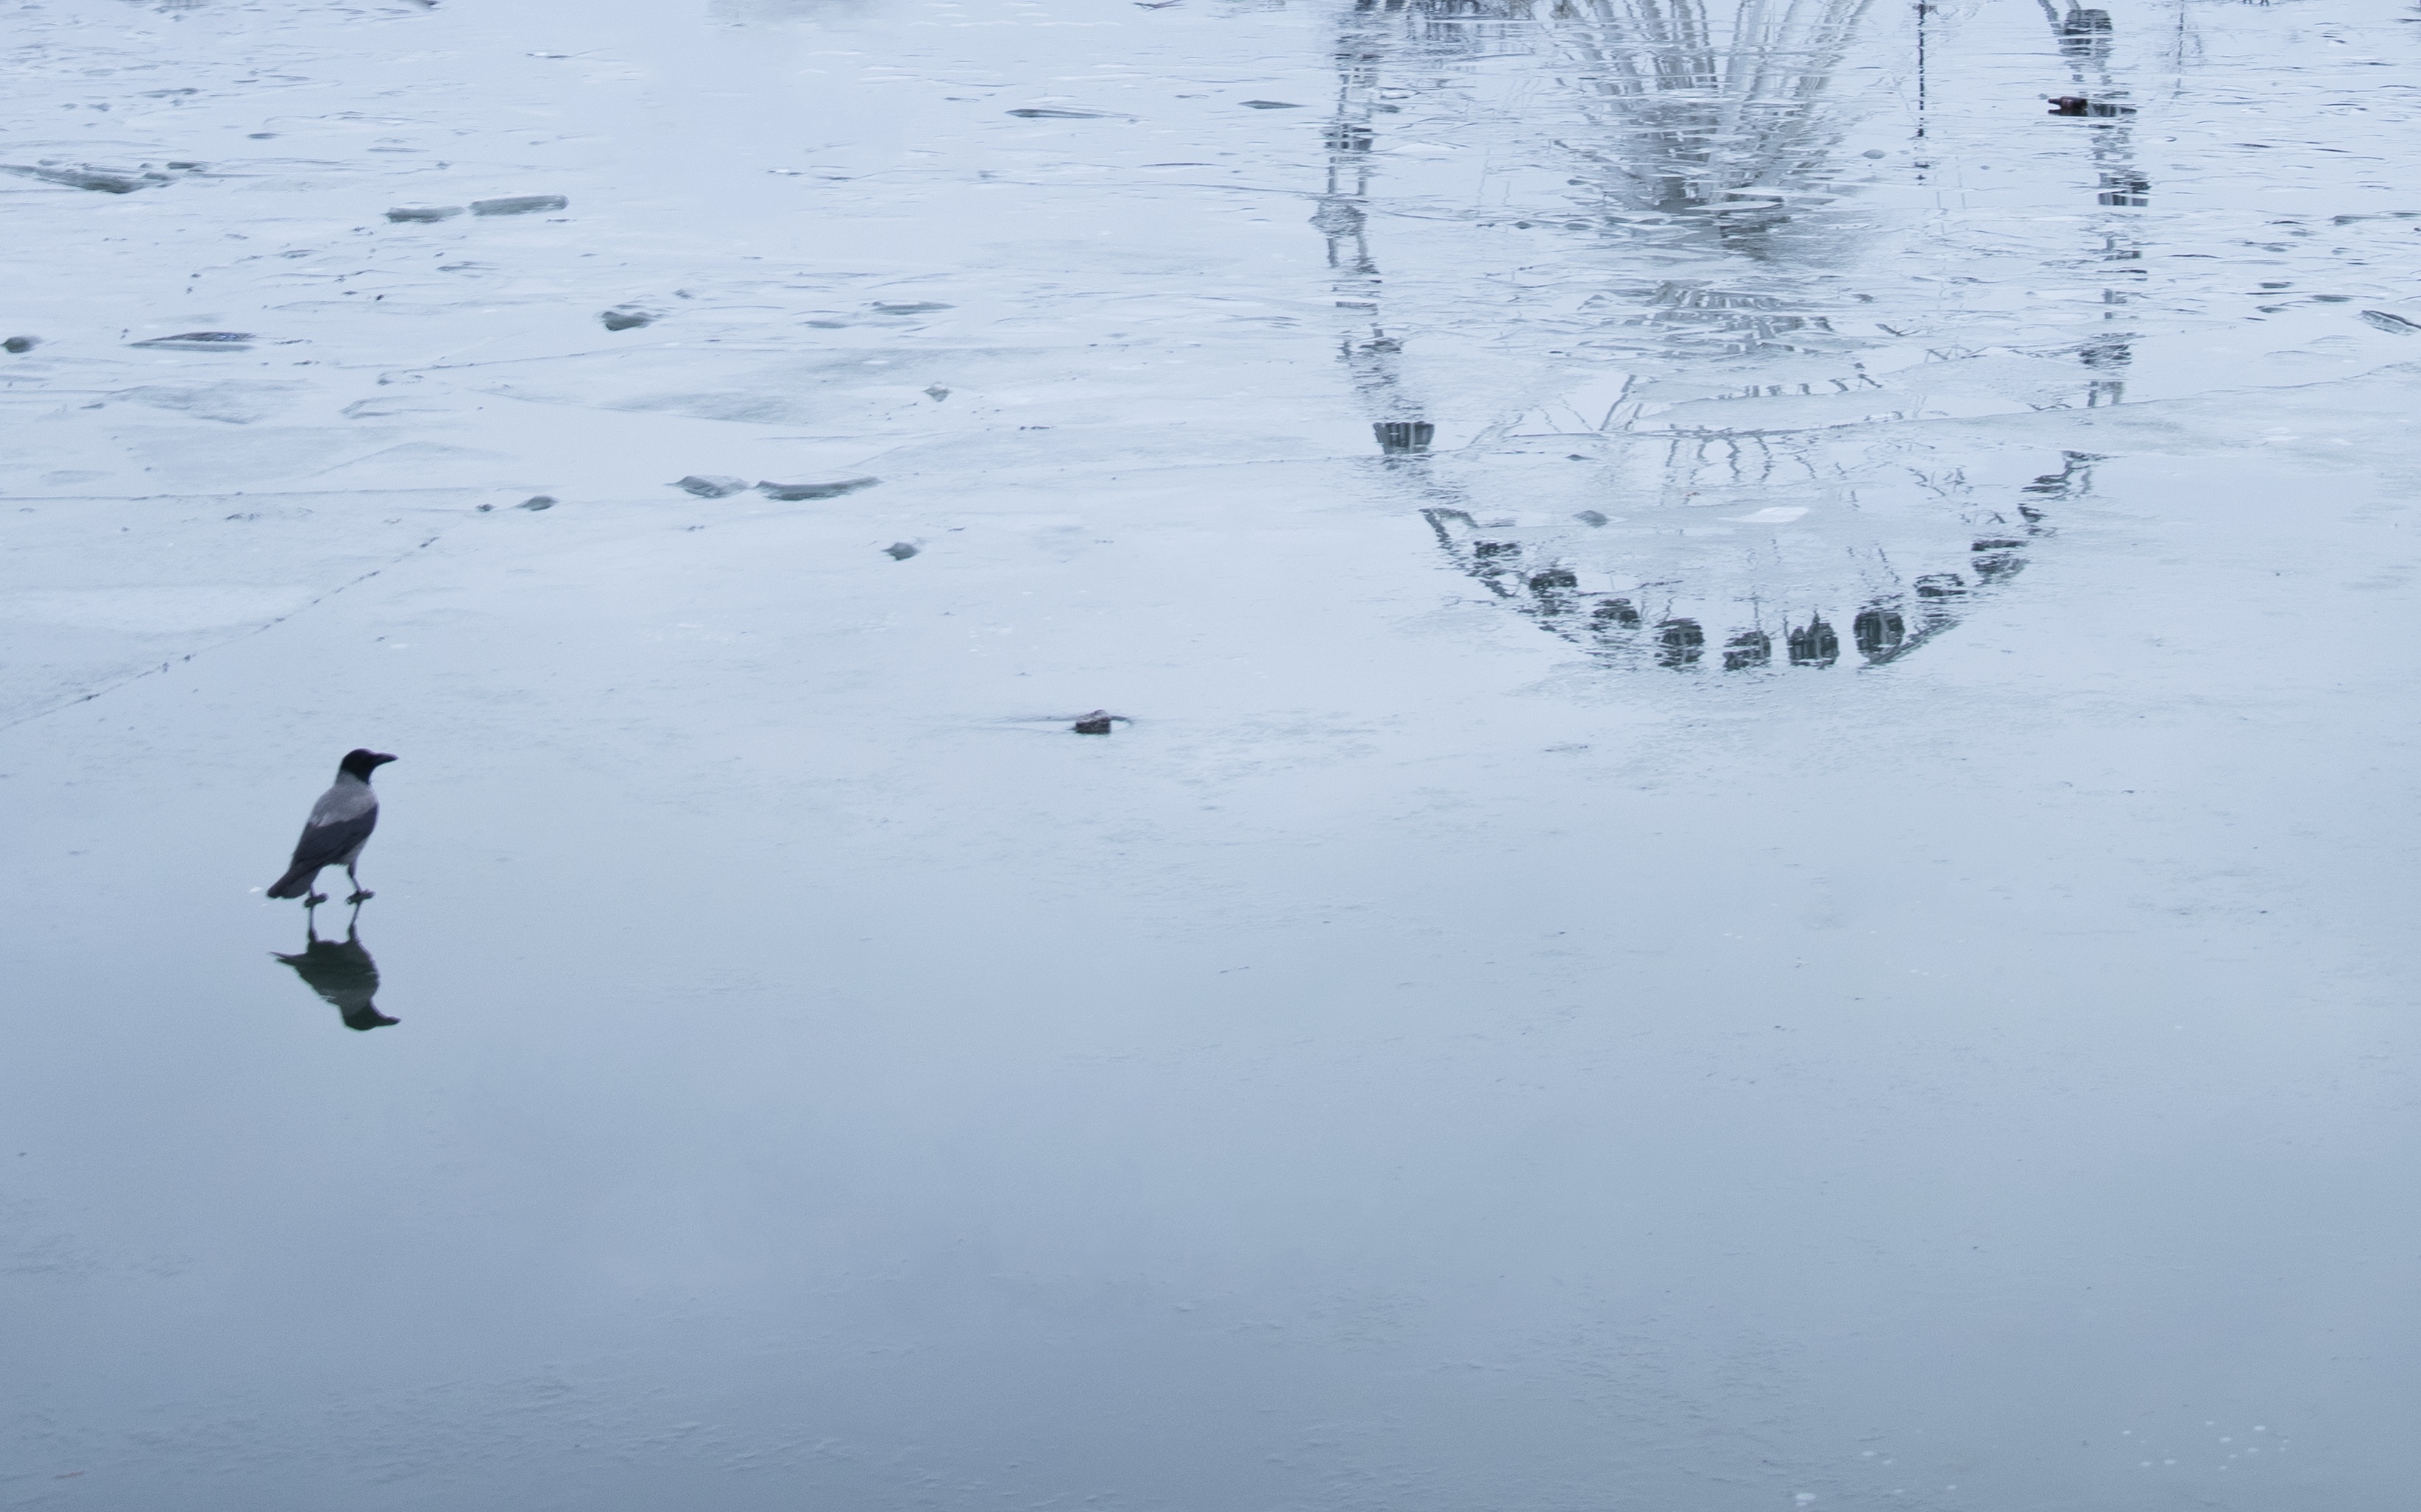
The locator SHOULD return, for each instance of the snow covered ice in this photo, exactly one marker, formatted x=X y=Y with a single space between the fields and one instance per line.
x=1753 y=842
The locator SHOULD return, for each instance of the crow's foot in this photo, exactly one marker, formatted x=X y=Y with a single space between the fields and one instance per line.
x=314 y=899
x=361 y=896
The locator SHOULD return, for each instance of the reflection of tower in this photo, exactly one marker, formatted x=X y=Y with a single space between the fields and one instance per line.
x=2085 y=37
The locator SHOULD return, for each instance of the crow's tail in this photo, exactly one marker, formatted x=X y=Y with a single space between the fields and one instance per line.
x=296 y=881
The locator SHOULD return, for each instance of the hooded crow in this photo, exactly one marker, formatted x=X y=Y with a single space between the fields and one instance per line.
x=340 y=826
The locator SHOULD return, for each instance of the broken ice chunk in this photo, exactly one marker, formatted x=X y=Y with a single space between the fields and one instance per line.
x=537 y=501
x=919 y=307
x=423 y=212
x=202 y=341
x=900 y=550
x=2394 y=323
x=21 y=345
x=518 y=204
x=793 y=492
x=712 y=485
x=1271 y=104
x=93 y=178
x=626 y=319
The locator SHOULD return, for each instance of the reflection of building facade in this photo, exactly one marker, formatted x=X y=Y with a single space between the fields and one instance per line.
x=1743 y=499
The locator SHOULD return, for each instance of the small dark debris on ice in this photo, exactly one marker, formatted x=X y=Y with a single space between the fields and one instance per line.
x=1049 y=113
x=626 y=319
x=1099 y=721
x=900 y=550
x=794 y=492
x=1271 y=104
x=518 y=204
x=2396 y=324
x=2079 y=106
x=423 y=212
x=537 y=501
x=918 y=308
x=21 y=345
x=712 y=485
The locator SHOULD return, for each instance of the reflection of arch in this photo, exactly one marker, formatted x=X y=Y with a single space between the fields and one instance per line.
x=1703 y=130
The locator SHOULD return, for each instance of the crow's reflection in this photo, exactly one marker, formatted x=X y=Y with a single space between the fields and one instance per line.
x=342 y=972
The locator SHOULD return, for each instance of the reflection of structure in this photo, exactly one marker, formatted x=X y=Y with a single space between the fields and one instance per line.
x=2085 y=37
x=343 y=973
x=1638 y=599
x=1737 y=508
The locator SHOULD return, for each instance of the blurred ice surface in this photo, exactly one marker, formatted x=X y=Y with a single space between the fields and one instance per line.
x=1758 y=848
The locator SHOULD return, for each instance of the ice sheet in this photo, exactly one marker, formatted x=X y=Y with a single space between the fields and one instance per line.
x=1753 y=848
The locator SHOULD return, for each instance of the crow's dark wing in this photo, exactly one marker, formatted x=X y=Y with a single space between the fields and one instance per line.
x=326 y=845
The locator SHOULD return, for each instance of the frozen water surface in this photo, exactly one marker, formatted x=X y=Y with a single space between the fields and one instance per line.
x=1753 y=844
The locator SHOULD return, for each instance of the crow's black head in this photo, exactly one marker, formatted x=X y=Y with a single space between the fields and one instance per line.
x=361 y=762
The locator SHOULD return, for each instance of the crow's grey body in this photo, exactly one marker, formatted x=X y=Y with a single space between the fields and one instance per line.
x=340 y=826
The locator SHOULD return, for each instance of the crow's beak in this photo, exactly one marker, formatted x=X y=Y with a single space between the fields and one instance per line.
x=381 y=761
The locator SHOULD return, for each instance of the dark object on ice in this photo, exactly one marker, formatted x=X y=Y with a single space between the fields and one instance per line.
x=93 y=178
x=1591 y=518
x=1396 y=437
x=1620 y=612
x=937 y=392
x=626 y=320
x=340 y=826
x=1680 y=642
x=1749 y=649
x=900 y=550
x=203 y=341
x=2395 y=324
x=2079 y=106
x=1157 y=5
x=1879 y=632
x=186 y=165
x=794 y=492
x=518 y=204
x=537 y=501
x=919 y=307
x=1814 y=644
x=21 y=345
x=423 y=212
x=1099 y=721
x=1271 y=104
x=1939 y=586
x=1554 y=579
x=711 y=487
x=342 y=973
x=1047 y=113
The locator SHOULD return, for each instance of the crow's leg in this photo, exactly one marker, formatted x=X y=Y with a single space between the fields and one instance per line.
x=361 y=894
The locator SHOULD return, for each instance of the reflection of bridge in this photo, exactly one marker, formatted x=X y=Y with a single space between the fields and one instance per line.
x=1745 y=501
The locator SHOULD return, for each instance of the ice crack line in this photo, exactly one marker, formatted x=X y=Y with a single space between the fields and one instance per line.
x=246 y=636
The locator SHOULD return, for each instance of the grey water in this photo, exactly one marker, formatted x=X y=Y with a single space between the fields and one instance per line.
x=1210 y=754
